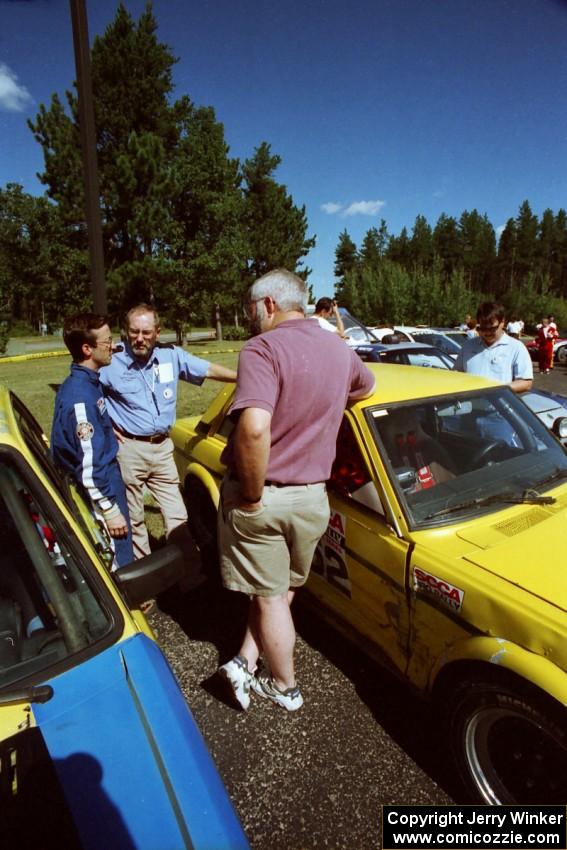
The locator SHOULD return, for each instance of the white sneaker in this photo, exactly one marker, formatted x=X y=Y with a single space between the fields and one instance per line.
x=238 y=677
x=265 y=686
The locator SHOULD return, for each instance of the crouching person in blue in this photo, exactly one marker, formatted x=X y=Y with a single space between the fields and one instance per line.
x=82 y=439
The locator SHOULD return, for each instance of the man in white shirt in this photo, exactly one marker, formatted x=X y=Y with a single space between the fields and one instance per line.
x=324 y=309
x=493 y=353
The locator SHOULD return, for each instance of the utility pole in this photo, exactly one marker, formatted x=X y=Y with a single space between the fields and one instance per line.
x=88 y=143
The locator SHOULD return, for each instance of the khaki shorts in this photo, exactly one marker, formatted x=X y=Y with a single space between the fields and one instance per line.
x=266 y=552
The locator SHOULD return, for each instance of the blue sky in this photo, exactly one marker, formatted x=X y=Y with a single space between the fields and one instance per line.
x=378 y=108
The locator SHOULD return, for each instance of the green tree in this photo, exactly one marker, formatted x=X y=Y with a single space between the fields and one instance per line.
x=478 y=241
x=507 y=250
x=527 y=228
x=136 y=135
x=399 y=249
x=374 y=245
x=447 y=243
x=560 y=253
x=276 y=229
x=346 y=259
x=40 y=273
x=207 y=235
x=421 y=244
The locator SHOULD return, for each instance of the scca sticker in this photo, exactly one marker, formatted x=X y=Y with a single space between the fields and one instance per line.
x=85 y=431
x=330 y=556
x=449 y=595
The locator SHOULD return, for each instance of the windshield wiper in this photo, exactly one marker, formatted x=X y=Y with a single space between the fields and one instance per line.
x=554 y=476
x=529 y=497
x=37 y=693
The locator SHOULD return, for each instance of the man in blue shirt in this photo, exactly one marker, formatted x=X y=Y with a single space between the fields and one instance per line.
x=82 y=439
x=140 y=386
x=493 y=354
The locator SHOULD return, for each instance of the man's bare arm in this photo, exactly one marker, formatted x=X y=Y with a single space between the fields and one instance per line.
x=521 y=385
x=221 y=373
x=363 y=392
x=251 y=453
x=339 y=320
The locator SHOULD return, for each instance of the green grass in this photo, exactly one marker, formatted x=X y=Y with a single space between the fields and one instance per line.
x=30 y=381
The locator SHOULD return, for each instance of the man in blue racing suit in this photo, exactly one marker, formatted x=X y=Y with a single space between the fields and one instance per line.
x=82 y=438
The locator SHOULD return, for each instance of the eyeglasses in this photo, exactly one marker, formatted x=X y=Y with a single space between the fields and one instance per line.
x=103 y=342
x=489 y=328
x=247 y=307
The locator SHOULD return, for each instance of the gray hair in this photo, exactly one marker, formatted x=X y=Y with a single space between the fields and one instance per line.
x=286 y=288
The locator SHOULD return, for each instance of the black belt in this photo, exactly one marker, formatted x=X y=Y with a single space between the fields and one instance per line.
x=267 y=482
x=150 y=438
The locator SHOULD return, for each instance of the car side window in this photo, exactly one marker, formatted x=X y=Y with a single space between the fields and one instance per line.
x=48 y=610
x=350 y=477
x=420 y=358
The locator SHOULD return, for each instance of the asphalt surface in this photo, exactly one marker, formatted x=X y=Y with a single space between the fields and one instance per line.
x=316 y=778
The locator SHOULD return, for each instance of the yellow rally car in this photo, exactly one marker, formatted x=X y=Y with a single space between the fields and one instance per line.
x=445 y=557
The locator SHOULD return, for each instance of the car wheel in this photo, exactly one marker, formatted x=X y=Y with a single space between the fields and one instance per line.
x=509 y=746
x=561 y=354
x=203 y=524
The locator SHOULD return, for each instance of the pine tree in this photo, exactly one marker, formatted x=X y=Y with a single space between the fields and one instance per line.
x=374 y=246
x=478 y=241
x=527 y=227
x=276 y=229
x=207 y=210
x=399 y=249
x=40 y=274
x=346 y=259
x=507 y=249
x=136 y=134
x=447 y=243
x=421 y=244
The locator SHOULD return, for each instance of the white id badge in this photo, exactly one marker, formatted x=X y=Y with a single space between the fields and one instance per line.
x=165 y=373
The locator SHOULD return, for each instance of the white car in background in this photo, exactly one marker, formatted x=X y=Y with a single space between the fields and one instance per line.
x=448 y=343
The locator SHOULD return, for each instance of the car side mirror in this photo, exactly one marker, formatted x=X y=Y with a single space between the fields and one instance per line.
x=143 y=579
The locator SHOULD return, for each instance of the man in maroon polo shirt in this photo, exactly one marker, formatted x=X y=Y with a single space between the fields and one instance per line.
x=294 y=381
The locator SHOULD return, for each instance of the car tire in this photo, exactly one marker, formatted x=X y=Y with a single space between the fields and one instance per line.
x=203 y=524
x=561 y=354
x=509 y=742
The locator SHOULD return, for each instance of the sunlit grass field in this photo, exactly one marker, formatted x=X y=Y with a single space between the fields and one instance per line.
x=30 y=380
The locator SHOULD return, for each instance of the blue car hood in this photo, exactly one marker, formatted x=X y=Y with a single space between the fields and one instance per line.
x=131 y=761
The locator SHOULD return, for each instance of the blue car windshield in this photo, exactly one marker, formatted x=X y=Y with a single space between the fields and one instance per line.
x=451 y=456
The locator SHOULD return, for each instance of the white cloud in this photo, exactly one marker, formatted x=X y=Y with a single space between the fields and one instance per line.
x=13 y=96
x=331 y=208
x=364 y=208
x=500 y=230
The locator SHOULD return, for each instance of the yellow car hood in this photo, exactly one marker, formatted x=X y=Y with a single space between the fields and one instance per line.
x=528 y=550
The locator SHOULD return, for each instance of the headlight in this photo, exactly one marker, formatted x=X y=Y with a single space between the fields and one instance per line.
x=560 y=427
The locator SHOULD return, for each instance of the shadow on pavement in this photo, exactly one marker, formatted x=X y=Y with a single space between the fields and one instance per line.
x=217 y=616
x=415 y=724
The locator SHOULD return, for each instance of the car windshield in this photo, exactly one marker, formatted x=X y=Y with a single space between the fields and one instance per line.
x=444 y=343
x=453 y=456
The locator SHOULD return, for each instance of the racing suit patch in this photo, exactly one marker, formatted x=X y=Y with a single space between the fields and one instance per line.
x=85 y=431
